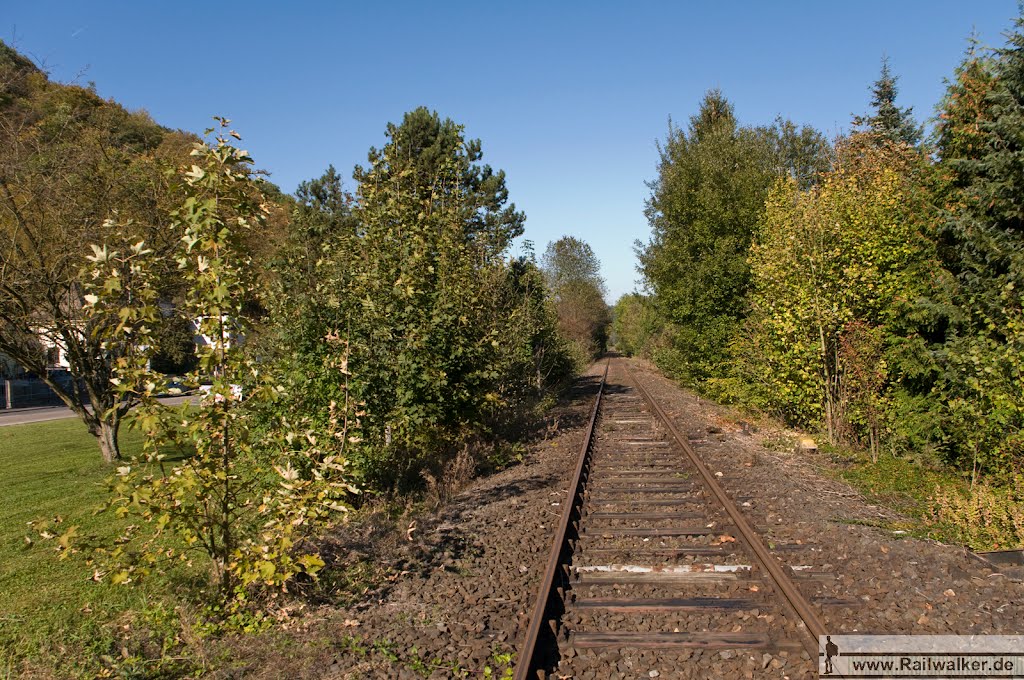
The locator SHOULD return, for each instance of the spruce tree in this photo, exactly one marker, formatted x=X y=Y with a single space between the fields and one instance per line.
x=963 y=110
x=985 y=162
x=982 y=141
x=888 y=121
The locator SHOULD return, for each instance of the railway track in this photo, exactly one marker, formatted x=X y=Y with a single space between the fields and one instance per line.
x=654 y=568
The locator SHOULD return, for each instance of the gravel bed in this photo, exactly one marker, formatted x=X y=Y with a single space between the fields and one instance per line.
x=634 y=457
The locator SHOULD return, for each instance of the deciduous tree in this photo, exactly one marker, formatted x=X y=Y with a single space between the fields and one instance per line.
x=444 y=331
x=573 y=275
x=74 y=170
x=712 y=182
x=832 y=268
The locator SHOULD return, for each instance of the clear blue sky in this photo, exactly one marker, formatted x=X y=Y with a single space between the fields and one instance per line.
x=568 y=98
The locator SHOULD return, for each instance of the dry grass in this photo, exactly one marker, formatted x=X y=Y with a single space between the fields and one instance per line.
x=455 y=476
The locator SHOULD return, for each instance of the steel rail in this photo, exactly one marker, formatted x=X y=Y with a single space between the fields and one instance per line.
x=527 y=661
x=791 y=594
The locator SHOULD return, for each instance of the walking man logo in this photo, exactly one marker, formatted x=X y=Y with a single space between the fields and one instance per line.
x=831 y=649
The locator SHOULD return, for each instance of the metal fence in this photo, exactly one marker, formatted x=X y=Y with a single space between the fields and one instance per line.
x=26 y=393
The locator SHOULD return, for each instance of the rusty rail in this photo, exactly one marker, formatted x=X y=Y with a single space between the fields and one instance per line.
x=797 y=603
x=528 y=660
x=538 y=648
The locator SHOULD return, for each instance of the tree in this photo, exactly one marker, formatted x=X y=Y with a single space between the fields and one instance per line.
x=248 y=504
x=531 y=317
x=305 y=271
x=412 y=271
x=433 y=227
x=888 y=121
x=834 y=270
x=322 y=211
x=712 y=182
x=964 y=111
x=428 y=149
x=635 y=326
x=573 y=276
x=802 y=153
x=74 y=170
x=918 y=418
x=981 y=138
x=571 y=260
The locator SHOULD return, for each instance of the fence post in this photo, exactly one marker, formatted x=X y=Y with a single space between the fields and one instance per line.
x=8 y=393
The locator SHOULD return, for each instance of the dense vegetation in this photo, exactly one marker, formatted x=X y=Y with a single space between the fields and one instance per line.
x=573 y=276
x=869 y=287
x=444 y=332
x=373 y=343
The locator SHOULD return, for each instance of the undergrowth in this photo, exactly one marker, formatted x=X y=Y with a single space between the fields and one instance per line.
x=983 y=517
x=939 y=501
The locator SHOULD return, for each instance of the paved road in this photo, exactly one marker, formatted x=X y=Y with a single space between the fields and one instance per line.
x=21 y=416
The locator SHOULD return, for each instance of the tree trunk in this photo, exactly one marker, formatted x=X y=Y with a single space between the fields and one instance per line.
x=106 y=435
x=826 y=376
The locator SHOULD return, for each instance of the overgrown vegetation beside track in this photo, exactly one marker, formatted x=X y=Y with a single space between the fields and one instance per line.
x=869 y=288
x=939 y=502
x=381 y=344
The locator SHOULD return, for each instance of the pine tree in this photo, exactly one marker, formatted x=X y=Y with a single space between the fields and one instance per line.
x=888 y=121
x=424 y=148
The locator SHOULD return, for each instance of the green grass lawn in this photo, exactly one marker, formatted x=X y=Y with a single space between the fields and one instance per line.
x=53 y=617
